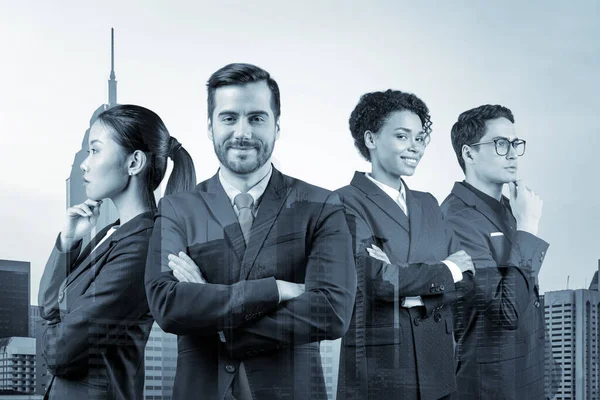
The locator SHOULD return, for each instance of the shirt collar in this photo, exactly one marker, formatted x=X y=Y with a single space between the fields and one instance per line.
x=390 y=191
x=498 y=206
x=256 y=191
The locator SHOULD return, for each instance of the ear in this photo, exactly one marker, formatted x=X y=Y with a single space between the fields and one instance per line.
x=277 y=129
x=467 y=154
x=136 y=162
x=370 y=140
x=210 y=130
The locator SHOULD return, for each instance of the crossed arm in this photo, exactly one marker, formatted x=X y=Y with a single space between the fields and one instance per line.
x=113 y=302
x=248 y=313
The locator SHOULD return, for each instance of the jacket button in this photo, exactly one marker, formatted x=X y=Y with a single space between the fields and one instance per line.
x=230 y=368
x=442 y=287
x=432 y=290
x=416 y=320
x=437 y=317
x=536 y=304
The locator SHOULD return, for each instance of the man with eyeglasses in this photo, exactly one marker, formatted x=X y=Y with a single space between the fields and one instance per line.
x=499 y=327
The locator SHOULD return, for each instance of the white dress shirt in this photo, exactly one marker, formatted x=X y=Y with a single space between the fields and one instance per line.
x=399 y=196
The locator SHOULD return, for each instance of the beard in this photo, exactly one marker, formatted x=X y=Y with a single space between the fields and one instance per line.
x=256 y=155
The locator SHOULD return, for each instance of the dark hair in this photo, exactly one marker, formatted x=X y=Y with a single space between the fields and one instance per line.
x=373 y=110
x=241 y=74
x=137 y=128
x=470 y=127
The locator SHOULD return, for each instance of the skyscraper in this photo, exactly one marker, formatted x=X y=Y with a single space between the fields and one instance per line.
x=161 y=363
x=75 y=190
x=573 y=321
x=14 y=298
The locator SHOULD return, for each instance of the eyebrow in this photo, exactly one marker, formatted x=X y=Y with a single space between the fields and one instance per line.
x=256 y=112
x=407 y=130
x=95 y=141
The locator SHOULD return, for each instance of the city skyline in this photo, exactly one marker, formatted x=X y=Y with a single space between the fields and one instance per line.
x=537 y=59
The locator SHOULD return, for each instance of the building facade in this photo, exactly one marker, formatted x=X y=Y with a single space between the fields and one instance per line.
x=14 y=298
x=573 y=322
x=17 y=365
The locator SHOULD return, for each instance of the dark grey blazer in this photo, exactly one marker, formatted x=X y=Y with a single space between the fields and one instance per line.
x=500 y=326
x=98 y=316
x=299 y=235
x=390 y=351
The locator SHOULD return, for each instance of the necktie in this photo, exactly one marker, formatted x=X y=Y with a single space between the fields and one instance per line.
x=244 y=203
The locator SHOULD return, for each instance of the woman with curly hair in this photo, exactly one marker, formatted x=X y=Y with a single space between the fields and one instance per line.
x=399 y=345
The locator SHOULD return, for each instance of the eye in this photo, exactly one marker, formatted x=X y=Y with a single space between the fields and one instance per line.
x=502 y=143
x=401 y=136
x=257 y=118
x=92 y=151
x=228 y=119
x=420 y=139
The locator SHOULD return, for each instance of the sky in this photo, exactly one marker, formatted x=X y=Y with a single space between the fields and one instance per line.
x=539 y=58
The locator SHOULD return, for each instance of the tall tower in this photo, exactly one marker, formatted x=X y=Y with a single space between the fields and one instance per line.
x=112 y=83
x=75 y=191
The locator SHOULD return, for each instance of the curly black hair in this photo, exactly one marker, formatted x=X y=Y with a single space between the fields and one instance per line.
x=470 y=127
x=373 y=110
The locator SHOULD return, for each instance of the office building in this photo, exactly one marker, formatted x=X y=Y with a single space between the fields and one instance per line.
x=14 y=298
x=17 y=365
x=573 y=322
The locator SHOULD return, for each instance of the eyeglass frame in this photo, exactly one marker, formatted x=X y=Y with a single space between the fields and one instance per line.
x=510 y=142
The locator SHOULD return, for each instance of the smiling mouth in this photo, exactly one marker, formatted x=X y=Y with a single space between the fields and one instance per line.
x=410 y=161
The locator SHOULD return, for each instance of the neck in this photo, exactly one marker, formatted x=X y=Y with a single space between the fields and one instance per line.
x=492 y=189
x=245 y=182
x=383 y=176
x=130 y=203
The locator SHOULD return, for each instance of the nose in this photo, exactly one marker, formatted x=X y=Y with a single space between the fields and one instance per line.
x=83 y=166
x=414 y=146
x=512 y=152
x=243 y=130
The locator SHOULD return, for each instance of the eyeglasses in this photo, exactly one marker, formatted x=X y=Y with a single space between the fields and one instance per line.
x=503 y=145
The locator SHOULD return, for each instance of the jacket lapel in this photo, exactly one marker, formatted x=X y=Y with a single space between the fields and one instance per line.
x=471 y=199
x=220 y=206
x=381 y=199
x=270 y=206
x=89 y=257
x=414 y=211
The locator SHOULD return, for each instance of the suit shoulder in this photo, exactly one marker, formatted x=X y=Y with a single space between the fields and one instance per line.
x=425 y=198
x=310 y=191
x=452 y=204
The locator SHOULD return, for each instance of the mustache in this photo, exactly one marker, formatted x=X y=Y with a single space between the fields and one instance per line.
x=242 y=144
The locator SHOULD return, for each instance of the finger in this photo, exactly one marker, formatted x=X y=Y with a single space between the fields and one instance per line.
x=74 y=211
x=187 y=259
x=86 y=208
x=93 y=203
x=180 y=270
x=512 y=188
x=179 y=276
x=189 y=266
x=375 y=247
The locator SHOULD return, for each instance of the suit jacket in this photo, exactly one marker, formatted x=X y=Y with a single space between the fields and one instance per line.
x=299 y=235
x=391 y=351
x=500 y=326
x=98 y=316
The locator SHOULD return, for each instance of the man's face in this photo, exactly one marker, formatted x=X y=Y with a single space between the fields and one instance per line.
x=243 y=128
x=486 y=163
x=399 y=144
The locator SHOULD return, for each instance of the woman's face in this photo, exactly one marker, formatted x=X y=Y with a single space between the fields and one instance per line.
x=105 y=173
x=399 y=145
